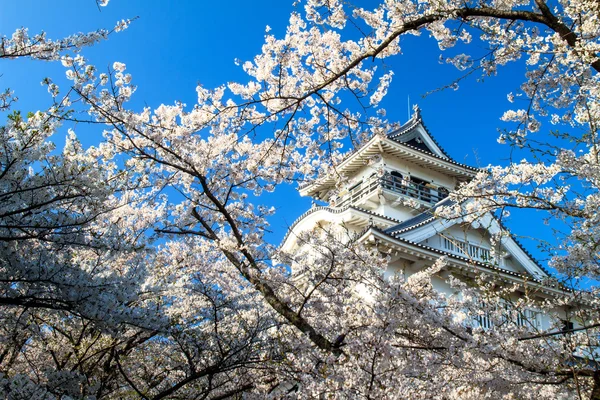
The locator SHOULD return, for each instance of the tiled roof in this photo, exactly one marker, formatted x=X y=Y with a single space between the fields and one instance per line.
x=333 y=210
x=410 y=125
x=421 y=219
x=449 y=160
x=428 y=216
x=468 y=260
x=395 y=136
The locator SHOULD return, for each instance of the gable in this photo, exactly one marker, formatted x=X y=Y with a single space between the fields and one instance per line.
x=475 y=245
x=470 y=241
x=417 y=136
x=419 y=144
x=414 y=134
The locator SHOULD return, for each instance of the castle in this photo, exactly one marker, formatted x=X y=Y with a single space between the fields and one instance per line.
x=395 y=183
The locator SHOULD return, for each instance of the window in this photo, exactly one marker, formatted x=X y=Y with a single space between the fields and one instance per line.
x=455 y=246
x=479 y=252
x=527 y=318
x=419 y=190
x=356 y=187
x=483 y=321
x=466 y=249
x=395 y=181
x=442 y=193
x=448 y=244
x=568 y=326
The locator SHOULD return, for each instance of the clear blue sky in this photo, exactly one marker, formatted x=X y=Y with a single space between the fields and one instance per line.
x=174 y=45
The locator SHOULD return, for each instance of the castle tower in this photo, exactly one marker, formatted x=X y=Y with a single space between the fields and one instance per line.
x=393 y=185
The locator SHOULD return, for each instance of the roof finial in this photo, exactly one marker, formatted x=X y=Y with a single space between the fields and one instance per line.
x=408 y=108
x=416 y=112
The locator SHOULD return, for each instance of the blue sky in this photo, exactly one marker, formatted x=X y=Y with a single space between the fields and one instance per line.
x=174 y=45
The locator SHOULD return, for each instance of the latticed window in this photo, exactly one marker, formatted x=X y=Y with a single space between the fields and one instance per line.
x=448 y=244
x=479 y=252
x=484 y=321
x=467 y=249
x=527 y=318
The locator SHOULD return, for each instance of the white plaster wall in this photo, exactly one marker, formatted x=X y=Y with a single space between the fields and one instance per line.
x=511 y=264
x=478 y=237
x=400 y=213
x=397 y=267
x=434 y=241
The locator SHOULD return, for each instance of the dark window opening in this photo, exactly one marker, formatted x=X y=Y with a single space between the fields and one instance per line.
x=419 y=144
x=353 y=187
x=418 y=181
x=567 y=326
x=419 y=190
x=442 y=193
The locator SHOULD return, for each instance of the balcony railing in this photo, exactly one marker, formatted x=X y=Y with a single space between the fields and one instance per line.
x=426 y=193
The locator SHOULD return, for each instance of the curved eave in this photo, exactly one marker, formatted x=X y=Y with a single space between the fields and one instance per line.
x=428 y=160
x=350 y=215
x=463 y=264
x=354 y=161
x=378 y=145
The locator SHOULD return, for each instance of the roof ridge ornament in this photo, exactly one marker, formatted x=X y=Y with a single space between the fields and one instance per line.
x=416 y=112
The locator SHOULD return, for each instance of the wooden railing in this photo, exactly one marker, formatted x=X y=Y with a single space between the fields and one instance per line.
x=425 y=193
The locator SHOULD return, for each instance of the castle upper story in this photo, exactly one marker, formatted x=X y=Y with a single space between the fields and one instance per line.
x=397 y=175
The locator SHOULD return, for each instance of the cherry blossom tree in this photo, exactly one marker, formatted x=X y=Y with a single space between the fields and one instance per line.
x=72 y=256
x=139 y=268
